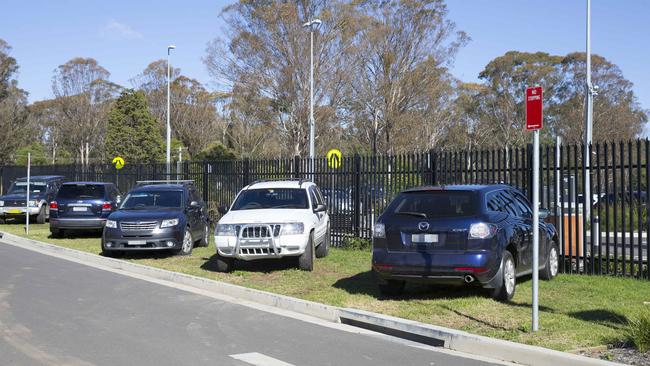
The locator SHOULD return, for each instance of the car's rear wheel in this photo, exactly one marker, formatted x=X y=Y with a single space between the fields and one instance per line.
x=57 y=233
x=505 y=290
x=306 y=260
x=392 y=288
x=187 y=245
x=324 y=247
x=224 y=264
x=204 y=237
x=40 y=218
x=552 y=264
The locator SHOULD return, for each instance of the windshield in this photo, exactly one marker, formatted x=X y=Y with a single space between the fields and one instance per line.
x=21 y=187
x=435 y=204
x=271 y=198
x=80 y=191
x=152 y=199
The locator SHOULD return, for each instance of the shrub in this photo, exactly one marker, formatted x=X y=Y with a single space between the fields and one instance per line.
x=638 y=332
x=354 y=243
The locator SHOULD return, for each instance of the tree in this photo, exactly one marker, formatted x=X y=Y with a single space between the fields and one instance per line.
x=214 y=152
x=14 y=129
x=83 y=96
x=193 y=107
x=132 y=131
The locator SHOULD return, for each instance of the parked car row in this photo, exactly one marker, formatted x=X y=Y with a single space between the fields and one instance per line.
x=470 y=234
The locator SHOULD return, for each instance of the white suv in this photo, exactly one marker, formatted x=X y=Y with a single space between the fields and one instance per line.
x=274 y=219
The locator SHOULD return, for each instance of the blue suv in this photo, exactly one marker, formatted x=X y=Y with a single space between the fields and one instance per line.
x=472 y=234
x=82 y=206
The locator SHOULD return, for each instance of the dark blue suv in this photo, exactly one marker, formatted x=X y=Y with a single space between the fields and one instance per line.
x=472 y=234
x=158 y=215
x=82 y=206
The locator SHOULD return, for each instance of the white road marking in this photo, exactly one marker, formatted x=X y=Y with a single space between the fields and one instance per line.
x=259 y=359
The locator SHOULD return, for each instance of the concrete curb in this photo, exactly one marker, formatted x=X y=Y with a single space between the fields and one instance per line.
x=403 y=328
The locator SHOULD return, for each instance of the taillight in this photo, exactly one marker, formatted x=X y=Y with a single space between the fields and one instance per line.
x=54 y=205
x=106 y=206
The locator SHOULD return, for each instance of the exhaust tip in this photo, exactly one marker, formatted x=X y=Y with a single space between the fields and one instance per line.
x=469 y=278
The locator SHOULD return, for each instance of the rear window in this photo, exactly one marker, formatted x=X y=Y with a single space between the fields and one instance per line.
x=435 y=204
x=81 y=191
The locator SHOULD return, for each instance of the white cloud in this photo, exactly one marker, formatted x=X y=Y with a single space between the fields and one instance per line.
x=120 y=30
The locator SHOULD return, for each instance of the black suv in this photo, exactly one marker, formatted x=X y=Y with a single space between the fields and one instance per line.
x=158 y=215
x=82 y=206
x=42 y=189
x=461 y=234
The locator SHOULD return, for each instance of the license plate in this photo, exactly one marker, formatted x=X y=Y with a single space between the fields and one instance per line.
x=80 y=209
x=137 y=242
x=14 y=211
x=424 y=238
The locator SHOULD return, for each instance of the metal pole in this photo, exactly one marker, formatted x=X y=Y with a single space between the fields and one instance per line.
x=558 y=194
x=312 y=131
x=178 y=164
x=29 y=164
x=169 y=129
x=588 y=118
x=535 y=230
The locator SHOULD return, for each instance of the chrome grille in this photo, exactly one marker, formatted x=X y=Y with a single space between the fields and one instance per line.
x=259 y=232
x=138 y=226
x=20 y=203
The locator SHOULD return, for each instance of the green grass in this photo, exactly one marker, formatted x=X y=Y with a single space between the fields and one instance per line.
x=575 y=311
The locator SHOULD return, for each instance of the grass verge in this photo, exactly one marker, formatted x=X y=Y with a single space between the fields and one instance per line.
x=575 y=311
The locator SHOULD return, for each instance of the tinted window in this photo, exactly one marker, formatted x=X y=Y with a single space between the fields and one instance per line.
x=153 y=199
x=522 y=205
x=271 y=198
x=21 y=187
x=81 y=191
x=436 y=204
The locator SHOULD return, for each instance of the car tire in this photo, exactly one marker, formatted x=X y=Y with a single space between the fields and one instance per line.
x=505 y=290
x=324 y=247
x=110 y=253
x=205 y=238
x=187 y=244
x=40 y=218
x=3 y=221
x=552 y=264
x=57 y=233
x=224 y=264
x=306 y=259
x=392 y=288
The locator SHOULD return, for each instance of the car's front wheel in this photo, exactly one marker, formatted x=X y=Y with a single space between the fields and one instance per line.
x=505 y=290
x=57 y=233
x=306 y=260
x=224 y=264
x=205 y=236
x=324 y=247
x=552 y=264
x=187 y=245
x=40 y=218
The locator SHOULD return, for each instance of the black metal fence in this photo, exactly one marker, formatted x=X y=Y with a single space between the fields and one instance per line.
x=608 y=235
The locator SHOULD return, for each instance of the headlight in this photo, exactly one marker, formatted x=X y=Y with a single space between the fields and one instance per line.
x=33 y=203
x=111 y=224
x=295 y=228
x=225 y=230
x=482 y=231
x=379 y=231
x=169 y=223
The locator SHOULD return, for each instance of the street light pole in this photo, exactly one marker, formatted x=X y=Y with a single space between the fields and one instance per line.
x=590 y=91
x=169 y=129
x=312 y=128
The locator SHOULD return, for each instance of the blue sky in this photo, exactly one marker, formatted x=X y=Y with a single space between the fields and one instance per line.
x=124 y=36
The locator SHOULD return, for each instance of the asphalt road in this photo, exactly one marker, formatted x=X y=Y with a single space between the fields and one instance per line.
x=56 y=312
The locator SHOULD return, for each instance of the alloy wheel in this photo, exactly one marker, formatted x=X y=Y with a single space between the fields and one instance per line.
x=553 y=261
x=509 y=276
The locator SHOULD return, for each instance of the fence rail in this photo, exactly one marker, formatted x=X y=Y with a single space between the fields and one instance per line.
x=608 y=235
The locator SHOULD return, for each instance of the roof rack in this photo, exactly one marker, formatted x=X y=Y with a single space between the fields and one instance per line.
x=299 y=180
x=164 y=181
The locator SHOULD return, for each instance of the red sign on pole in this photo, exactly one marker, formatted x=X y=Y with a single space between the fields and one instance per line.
x=534 y=105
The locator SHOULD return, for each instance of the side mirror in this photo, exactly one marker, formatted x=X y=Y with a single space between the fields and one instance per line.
x=222 y=210
x=544 y=213
x=320 y=208
x=194 y=204
x=118 y=199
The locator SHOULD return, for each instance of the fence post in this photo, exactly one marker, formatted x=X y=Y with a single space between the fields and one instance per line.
x=205 y=181
x=296 y=166
x=247 y=171
x=529 y=172
x=357 y=196
x=433 y=166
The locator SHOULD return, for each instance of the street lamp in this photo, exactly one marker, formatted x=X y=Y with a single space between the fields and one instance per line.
x=169 y=129
x=314 y=23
